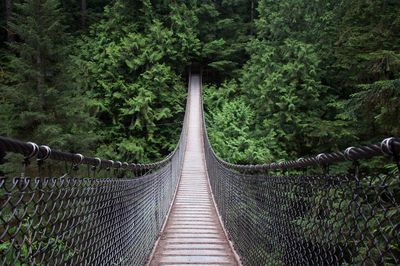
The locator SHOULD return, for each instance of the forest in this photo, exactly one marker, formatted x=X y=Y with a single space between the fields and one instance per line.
x=283 y=79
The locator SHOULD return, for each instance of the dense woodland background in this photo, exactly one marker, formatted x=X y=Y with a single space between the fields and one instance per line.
x=284 y=78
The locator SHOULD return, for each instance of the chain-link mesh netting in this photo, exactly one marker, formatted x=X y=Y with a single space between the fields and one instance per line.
x=276 y=214
x=309 y=220
x=285 y=214
x=79 y=220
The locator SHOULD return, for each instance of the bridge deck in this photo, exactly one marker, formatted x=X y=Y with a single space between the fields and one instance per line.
x=193 y=234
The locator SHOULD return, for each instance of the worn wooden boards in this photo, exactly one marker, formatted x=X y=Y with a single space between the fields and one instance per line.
x=193 y=234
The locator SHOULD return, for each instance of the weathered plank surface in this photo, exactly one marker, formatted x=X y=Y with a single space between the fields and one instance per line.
x=193 y=234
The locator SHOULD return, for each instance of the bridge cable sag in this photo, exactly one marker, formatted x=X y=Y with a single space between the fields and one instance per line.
x=274 y=214
x=281 y=213
x=70 y=219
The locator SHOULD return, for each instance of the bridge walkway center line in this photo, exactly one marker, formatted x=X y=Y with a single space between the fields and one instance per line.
x=193 y=233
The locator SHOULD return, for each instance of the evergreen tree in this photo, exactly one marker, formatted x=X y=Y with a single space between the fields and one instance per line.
x=131 y=68
x=367 y=53
x=39 y=102
x=224 y=29
x=231 y=128
x=283 y=81
x=315 y=75
x=8 y=6
x=80 y=14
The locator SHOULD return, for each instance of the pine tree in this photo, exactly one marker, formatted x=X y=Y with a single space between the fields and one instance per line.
x=367 y=53
x=225 y=28
x=41 y=103
x=8 y=6
x=231 y=127
x=130 y=67
x=283 y=80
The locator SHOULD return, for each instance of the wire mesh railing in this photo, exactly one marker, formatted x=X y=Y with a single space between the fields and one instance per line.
x=283 y=214
x=72 y=219
x=276 y=214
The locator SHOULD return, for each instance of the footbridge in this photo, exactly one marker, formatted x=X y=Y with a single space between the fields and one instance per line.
x=194 y=208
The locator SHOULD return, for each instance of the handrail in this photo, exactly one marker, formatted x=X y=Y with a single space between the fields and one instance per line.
x=388 y=147
x=345 y=217
x=74 y=218
x=31 y=150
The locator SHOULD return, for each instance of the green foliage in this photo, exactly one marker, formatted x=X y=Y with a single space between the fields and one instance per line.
x=321 y=74
x=294 y=78
x=30 y=239
x=378 y=104
x=118 y=85
x=224 y=28
x=336 y=217
x=133 y=82
x=305 y=76
x=232 y=128
x=230 y=132
x=39 y=101
x=367 y=53
x=282 y=83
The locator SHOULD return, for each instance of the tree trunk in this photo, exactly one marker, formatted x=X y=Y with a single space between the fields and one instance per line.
x=40 y=79
x=83 y=13
x=252 y=18
x=8 y=7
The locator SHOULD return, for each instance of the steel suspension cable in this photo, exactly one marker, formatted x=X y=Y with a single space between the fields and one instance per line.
x=70 y=219
x=281 y=214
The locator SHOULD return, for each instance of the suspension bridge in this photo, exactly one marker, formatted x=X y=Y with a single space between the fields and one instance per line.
x=194 y=208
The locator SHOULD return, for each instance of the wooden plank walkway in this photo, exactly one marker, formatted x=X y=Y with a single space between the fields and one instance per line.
x=193 y=233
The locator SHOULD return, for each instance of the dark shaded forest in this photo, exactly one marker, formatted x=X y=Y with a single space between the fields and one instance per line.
x=283 y=79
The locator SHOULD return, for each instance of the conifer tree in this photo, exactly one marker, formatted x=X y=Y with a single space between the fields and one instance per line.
x=367 y=54
x=8 y=6
x=231 y=128
x=41 y=103
x=282 y=80
x=130 y=67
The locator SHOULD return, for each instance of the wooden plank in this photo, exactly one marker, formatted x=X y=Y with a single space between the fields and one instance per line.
x=193 y=234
